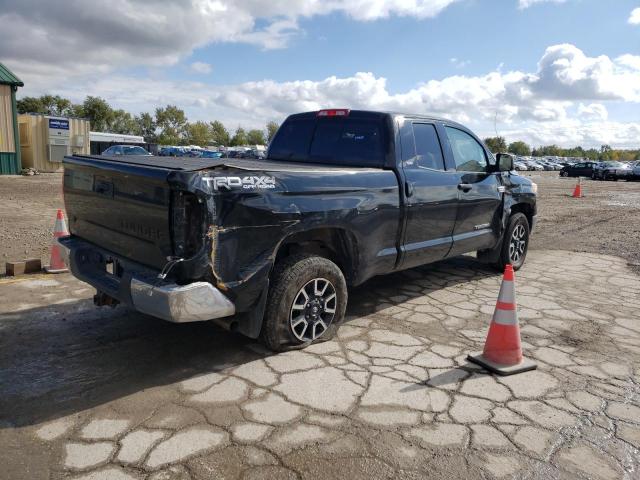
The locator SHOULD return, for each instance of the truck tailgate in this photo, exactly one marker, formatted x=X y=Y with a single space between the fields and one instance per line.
x=123 y=207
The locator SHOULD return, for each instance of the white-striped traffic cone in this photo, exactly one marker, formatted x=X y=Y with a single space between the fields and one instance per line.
x=502 y=350
x=56 y=264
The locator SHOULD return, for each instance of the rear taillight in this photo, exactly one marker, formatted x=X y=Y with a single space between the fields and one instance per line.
x=341 y=112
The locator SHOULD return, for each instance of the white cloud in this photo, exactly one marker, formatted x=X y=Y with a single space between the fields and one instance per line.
x=634 y=17
x=593 y=111
x=201 y=67
x=79 y=35
x=522 y=4
x=562 y=101
x=457 y=63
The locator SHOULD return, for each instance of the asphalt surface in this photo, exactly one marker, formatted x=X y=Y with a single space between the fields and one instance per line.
x=112 y=394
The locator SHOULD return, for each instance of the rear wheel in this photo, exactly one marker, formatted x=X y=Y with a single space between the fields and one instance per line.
x=306 y=303
x=515 y=243
x=564 y=174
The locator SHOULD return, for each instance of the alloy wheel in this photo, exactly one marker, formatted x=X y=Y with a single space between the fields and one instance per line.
x=517 y=243
x=313 y=309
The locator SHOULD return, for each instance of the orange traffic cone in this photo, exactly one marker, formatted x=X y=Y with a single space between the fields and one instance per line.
x=577 y=192
x=502 y=350
x=56 y=265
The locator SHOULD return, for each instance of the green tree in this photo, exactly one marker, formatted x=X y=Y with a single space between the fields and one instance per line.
x=46 y=105
x=520 y=148
x=256 y=137
x=272 y=128
x=172 y=123
x=30 y=105
x=146 y=126
x=219 y=134
x=99 y=113
x=122 y=122
x=549 y=151
x=239 y=138
x=496 y=144
x=199 y=133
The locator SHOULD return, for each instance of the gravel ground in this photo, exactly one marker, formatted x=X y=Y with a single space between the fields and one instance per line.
x=606 y=220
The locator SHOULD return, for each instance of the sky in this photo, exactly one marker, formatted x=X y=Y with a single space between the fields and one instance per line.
x=563 y=72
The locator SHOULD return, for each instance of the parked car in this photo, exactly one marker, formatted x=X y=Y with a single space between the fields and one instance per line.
x=520 y=166
x=635 y=170
x=582 y=169
x=617 y=171
x=269 y=247
x=210 y=154
x=117 y=150
x=533 y=166
x=598 y=168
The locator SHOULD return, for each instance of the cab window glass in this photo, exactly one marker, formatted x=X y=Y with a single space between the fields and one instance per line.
x=427 y=152
x=468 y=154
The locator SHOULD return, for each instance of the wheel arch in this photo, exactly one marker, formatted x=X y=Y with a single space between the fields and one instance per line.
x=334 y=243
x=525 y=208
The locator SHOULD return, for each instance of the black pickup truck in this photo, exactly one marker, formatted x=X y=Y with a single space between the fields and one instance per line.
x=269 y=247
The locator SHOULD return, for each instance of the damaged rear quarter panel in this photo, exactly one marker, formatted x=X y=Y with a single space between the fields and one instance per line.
x=253 y=219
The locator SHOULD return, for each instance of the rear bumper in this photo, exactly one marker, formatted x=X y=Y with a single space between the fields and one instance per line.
x=138 y=286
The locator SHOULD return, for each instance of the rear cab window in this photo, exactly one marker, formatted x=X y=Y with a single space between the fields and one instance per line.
x=421 y=147
x=356 y=139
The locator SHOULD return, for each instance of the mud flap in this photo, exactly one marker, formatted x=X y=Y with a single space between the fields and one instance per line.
x=250 y=323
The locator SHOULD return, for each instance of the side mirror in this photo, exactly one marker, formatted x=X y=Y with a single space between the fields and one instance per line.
x=504 y=162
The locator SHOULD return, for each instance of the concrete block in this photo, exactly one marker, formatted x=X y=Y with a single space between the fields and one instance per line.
x=32 y=265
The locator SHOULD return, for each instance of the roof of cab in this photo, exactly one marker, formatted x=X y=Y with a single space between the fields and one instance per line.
x=431 y=118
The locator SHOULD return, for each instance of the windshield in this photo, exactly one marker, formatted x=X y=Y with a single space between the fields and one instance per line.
x=135 y=151
x=356 y=140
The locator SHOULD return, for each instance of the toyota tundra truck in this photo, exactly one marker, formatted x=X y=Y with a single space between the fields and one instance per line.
x=269 y=248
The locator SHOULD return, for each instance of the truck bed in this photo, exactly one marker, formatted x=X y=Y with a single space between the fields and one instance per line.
x=168 y=163
x=188 y=164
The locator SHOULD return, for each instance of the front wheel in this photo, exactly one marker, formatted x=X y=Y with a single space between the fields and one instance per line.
x=515 y=243
x=306 y=304
x=564 y=174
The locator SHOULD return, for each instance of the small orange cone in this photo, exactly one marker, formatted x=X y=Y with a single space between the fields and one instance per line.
x=56 y=265
x=577 y=192
x=502 y=350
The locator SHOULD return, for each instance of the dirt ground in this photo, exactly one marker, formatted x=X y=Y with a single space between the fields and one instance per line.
x=606 y=220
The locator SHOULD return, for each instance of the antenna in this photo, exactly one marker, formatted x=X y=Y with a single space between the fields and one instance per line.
x=495 y=123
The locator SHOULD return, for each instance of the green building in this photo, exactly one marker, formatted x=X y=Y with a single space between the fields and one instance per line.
x=10 y=163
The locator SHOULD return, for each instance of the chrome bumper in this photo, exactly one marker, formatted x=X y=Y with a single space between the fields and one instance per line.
x=193 y=302
x=180 y=303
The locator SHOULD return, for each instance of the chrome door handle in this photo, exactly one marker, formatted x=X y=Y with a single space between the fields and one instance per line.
x=465 y=187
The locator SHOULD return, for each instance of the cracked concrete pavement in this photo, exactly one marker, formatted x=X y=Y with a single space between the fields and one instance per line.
x=112 y=394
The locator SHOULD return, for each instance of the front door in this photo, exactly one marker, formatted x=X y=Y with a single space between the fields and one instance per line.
x=479 y=195
x=431 y=194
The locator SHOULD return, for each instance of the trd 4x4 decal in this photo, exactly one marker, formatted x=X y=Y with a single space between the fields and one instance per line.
x=247 y=183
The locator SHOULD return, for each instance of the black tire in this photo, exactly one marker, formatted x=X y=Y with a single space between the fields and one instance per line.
x=516 y=221
x=289 y=277
x=564 y=174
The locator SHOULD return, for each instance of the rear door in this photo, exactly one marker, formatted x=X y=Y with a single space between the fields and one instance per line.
x=479 y=194
x=431 y=193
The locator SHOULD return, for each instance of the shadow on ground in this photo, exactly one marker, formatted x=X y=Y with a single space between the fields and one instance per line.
x=60 y=360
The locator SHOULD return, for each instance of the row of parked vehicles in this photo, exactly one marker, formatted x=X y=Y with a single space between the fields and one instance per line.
x=538 y=164
x=198 y=152
x=603 y=170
